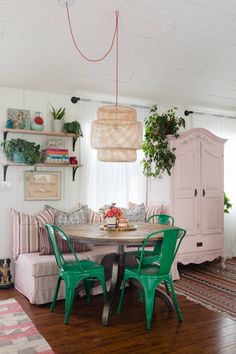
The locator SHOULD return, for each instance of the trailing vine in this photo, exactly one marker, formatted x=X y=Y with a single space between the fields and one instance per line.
x=158 y=157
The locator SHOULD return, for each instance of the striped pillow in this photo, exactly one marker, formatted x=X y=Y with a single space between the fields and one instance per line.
x=46 y=247
x=154 y=210
x=26 y=230
x=94 y=217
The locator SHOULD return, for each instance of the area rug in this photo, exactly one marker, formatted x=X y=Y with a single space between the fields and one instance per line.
x=18 y=335
x=210 y=285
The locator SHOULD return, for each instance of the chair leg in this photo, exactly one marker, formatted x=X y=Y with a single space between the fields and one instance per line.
x=104 y=288
x=87 y=287
x=141 y=295
x=121 y=297
x=175 y=300
x=167 y=287
x=55 y=294
x=149 y=303
x=70 y=292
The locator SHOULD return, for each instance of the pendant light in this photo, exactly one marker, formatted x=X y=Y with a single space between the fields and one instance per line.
x=116 y=133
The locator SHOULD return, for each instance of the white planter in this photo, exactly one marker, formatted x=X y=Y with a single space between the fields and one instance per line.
x=58 y=125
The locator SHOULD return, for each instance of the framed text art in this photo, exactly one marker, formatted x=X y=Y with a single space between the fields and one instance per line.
x=42 y=185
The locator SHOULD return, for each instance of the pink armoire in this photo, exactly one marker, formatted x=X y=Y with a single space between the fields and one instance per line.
x=195 y=195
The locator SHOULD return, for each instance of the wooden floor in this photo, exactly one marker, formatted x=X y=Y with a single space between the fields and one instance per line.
x=202 y=330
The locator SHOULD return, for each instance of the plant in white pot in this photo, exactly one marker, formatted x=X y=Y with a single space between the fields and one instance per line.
x=58 y=119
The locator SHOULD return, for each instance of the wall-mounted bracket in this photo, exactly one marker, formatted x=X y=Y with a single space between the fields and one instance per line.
x=74 y=139
x=5 y=167
x=5 y=136
x=74 y=169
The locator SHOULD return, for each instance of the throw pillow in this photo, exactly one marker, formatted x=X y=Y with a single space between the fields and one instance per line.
x=135 y=213
x=94 y=217
x=26 y=230
x=79 y=216
x=46 y=248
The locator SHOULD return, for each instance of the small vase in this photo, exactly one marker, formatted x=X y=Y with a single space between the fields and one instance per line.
x=35 y=126
x=111 y=222
x=58 y=125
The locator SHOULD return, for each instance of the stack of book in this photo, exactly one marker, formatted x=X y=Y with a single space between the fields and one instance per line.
x=51 y=155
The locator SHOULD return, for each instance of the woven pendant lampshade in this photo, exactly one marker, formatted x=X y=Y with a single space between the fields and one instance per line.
x=116 y=134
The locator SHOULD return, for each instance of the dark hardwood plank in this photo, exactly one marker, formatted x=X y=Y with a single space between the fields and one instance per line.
x=201 y=332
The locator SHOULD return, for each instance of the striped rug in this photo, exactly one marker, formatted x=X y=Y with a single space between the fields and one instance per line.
x=18 y=335
x=210 y=285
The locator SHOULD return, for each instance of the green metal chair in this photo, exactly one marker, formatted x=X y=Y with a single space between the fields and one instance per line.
x=73 y=272
x=151 y=274
x=162 y=219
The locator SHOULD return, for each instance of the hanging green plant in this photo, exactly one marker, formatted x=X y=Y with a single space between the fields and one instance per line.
x=158 y=157
x=21 y=150
x=227 y=204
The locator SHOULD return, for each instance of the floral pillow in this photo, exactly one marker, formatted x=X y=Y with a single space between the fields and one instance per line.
x=135 y=213
x=61 y=218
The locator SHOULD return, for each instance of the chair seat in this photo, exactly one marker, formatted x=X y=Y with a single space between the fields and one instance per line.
x=148 y=271
x=85 y=265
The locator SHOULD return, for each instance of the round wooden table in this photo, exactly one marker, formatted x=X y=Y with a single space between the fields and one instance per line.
x=93 y=234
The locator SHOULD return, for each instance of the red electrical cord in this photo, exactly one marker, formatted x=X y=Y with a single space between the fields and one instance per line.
x=115 y=35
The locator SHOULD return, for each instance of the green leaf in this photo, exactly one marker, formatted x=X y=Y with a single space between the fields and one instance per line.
x=158 y=157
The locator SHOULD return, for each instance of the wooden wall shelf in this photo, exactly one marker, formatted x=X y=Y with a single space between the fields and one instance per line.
x=44 y=132
x=6 y=164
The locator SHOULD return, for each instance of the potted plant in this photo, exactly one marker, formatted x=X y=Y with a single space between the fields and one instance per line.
x=58 y=119
x=158 y=157
x=73 y=127
x=227 y=204
x=21 y=150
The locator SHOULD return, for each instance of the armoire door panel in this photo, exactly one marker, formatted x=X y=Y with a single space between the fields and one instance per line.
x=186 y=170
x=212 y=170
x=212 y=186
x=186 y=186
x=212 y=215
x=185 y=214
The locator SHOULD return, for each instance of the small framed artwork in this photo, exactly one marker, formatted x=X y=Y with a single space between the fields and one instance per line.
x=18 y=118
x=42 y=185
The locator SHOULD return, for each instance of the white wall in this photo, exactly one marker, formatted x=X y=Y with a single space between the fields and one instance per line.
x=37 y=101
x=33 y=101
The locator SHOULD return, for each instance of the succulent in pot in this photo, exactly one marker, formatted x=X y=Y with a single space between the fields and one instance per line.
x=58 y=118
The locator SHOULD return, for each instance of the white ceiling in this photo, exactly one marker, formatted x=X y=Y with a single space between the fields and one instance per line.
x=171 y=51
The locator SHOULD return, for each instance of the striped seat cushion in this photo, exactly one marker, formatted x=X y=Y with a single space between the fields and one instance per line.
x=26 y=230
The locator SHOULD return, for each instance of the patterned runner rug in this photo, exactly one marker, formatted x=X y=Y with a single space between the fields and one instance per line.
x=18 y=335
x=210 y=285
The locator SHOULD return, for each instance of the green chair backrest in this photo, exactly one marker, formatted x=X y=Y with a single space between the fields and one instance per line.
x=163 y=219
x=54 y=232
x=169 y=249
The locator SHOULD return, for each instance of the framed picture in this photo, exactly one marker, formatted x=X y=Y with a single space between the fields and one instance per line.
x=18 y=118
x=42 y=185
